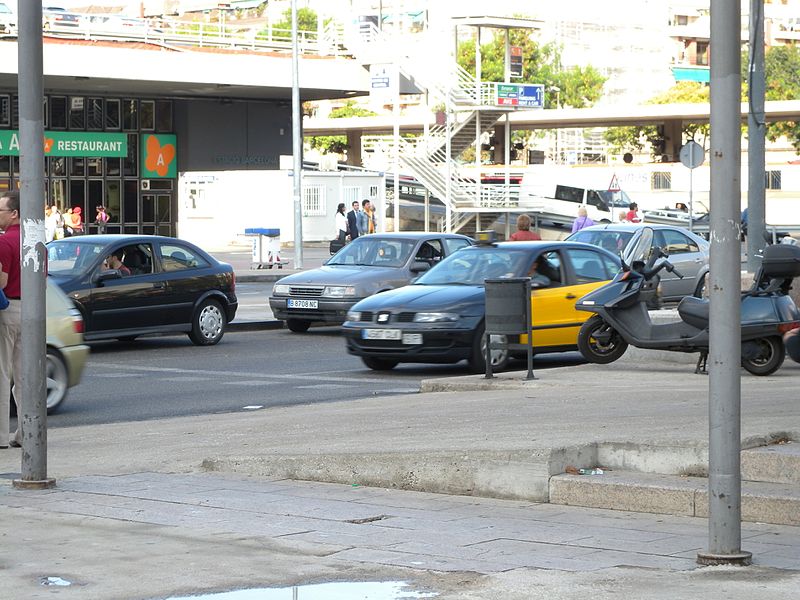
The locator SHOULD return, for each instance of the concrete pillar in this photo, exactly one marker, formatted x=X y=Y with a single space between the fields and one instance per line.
x=499 y=155
x=354 y=148
x=673 y=134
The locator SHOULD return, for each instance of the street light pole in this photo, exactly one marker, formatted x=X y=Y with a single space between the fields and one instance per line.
x=297 y=146
x=32 y=420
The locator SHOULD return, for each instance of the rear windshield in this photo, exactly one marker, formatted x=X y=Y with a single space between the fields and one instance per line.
x=613 y=241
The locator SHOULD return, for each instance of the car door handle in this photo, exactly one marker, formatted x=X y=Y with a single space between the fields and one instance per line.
x=571 y=296
x=159 y=285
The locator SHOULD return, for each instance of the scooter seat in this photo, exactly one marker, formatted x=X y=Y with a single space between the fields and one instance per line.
x=694 y=311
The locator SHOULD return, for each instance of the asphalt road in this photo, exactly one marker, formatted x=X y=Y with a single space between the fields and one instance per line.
x=161 y=377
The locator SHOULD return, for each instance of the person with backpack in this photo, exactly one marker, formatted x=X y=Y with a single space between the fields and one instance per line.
x=101 y=218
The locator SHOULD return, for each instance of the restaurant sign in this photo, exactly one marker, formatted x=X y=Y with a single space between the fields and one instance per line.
x=70 y=143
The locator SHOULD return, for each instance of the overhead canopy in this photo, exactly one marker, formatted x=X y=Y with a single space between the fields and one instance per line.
x=498 y=22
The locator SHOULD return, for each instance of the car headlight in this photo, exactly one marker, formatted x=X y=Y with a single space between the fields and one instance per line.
x=339 y=291
x=435 y=317
x=282 y=289
x=353 y=315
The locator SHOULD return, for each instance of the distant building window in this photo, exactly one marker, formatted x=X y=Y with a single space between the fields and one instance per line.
x=314 y=201
x=5 y=110
x=373 y=191
x=702 y=53
x=772 y=180
x=661 y=180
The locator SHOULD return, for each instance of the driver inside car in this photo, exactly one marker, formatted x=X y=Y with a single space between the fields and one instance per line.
x=538 y=280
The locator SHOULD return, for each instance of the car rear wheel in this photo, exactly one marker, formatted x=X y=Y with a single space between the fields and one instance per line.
x=379 y=364
x=57 y=380
x=298 y=325
x=208 y=324
x=500 y=356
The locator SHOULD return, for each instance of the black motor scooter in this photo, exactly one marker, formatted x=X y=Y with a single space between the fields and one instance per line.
x=622 y=319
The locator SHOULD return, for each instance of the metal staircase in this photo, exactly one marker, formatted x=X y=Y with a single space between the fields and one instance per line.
x=472 y=109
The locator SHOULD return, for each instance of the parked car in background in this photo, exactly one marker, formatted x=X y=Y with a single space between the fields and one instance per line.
x=688 y=251
x=368 y=265
x=8 y=21
x=165 y=285
x=66 y=352
x=440 y=317
x=56 y=17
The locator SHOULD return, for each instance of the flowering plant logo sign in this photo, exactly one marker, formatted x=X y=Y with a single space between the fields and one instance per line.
x=159 y=158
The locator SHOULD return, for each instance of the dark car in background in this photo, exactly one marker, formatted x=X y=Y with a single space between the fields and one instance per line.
x=368 y=265
x=167 y=285
x=688 y=251
x=440 y=317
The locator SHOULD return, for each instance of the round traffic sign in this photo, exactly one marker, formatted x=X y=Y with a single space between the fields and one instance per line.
x=692 y=155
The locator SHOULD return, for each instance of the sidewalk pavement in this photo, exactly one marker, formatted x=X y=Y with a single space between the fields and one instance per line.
x=434 y=488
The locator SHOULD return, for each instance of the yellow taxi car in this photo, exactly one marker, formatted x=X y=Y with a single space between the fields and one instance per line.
x=440 y=318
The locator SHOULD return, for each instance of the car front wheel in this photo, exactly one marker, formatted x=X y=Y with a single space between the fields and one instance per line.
x=298 y=325
x=208 y=324
x=57 y=380
x=379 y=364
x=499 y=356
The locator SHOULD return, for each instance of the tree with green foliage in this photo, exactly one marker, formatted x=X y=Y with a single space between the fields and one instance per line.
x=541 y=63
x=337 y=144
x=306 y=21
x=782 y=73
x=635 y=137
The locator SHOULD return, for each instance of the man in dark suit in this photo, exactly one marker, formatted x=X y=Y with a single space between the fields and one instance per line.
x=352 y=221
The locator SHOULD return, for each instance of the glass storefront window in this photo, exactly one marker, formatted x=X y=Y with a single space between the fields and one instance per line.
x=130 y=203
x=94 y=167
x=97 y=197
x=77 y=167
x=58 y=165
x=5 y=110
x=77 y=112
x=58 y=112
x=113 y=200
x=77 y=195
x=112 y=114
x=130 y=165
x=94 y=114
x=113 y=167
x=5 y=165
x=130 y=114
x=147 y=115
x=164 y=115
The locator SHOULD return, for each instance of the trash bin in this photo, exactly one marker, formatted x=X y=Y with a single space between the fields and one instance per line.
x=265 y=240
x=508 y=312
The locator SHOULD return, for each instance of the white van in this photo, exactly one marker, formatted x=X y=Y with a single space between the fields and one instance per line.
x=601 y=206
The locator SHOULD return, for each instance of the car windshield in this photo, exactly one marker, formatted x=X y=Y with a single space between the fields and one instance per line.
x=471 y=266
x=72 y=258
x=613 y=241
x=374 y=251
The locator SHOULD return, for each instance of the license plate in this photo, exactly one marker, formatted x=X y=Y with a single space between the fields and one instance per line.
x=296 y=303
x=381 y=334
x=412 y=338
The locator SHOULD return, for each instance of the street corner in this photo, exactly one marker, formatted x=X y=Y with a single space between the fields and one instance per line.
x=478 y=383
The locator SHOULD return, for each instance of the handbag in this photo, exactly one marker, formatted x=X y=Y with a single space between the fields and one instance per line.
x=336 y=245
x=3 y=300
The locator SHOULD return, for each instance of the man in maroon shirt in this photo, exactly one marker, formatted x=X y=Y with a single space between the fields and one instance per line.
x=10 y=318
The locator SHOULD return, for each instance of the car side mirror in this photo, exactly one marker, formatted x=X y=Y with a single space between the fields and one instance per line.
x=108 y=274
x=419 y=266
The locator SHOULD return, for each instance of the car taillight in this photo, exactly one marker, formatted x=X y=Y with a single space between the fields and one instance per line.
x=787 y=327
x=77 y=325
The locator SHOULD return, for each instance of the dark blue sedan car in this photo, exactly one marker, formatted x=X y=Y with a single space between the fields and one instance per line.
x=131 y=285
x=440 y=318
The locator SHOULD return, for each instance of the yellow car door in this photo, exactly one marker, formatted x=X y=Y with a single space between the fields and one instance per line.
x=573 y=274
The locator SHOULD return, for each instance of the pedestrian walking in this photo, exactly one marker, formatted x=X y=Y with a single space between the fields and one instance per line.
x=341 y=223
x=582 y=220
x=101 y=218
x=523 y=232
x=370 y=211
x=352 y=220
x=10 y=318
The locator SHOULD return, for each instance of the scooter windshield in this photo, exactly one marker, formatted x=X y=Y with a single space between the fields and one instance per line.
x=638 y=249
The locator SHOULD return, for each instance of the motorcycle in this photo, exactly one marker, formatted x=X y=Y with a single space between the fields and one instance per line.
x=622 y=318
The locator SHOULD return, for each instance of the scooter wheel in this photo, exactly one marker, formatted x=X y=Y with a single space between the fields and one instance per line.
x=599 y=342
x=763 y=356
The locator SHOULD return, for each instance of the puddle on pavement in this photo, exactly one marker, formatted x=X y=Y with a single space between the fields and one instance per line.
x=371 y=590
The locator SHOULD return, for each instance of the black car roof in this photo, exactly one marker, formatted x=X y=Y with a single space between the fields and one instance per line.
x=416 y=235
x=108 y=238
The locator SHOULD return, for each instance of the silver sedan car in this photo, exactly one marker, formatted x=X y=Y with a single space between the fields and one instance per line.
x=687 y=251
x=368 y=265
